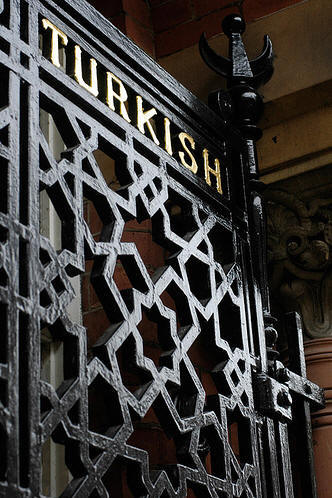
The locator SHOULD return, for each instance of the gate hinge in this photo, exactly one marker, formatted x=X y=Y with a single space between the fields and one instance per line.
x=272 y=398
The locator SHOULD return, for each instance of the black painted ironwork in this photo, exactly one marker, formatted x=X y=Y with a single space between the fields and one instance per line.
x=214 y=273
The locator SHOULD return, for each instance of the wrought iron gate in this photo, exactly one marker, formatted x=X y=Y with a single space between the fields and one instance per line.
x=214 y=386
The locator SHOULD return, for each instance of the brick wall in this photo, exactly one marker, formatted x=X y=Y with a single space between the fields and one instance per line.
x=132 y=17
x=179 y=24
x=163 y=27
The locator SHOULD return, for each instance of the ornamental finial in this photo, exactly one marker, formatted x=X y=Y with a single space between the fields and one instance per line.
x=237 y=68
x=241 y=104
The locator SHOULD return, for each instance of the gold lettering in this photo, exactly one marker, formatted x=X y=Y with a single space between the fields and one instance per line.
x=215 y=172
x=78 y=75
x=56 y=34
x=143 y=118
x=193 y=166
x=122 y=96
x=168 y=140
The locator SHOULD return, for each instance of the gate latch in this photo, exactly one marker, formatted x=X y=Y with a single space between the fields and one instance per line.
x=271 y=397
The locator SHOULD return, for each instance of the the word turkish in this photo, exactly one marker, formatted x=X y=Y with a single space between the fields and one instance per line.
x=116 y=98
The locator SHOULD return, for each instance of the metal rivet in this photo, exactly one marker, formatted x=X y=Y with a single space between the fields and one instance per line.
x=284 y=399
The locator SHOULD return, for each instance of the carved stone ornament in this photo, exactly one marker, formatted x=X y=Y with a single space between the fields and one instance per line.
x=299 y=254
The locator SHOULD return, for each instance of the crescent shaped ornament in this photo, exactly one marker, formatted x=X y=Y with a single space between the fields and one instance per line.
x=255 y=72
x=219 y=64
x=262 y=66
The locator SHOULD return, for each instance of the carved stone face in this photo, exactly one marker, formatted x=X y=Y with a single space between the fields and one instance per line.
x=299 y=246
x=314 y=257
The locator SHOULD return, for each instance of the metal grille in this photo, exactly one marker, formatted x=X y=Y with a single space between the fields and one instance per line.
x=201 y=305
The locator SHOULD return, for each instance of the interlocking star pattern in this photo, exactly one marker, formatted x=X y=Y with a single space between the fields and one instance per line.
x=109 y=389
x=198 y=423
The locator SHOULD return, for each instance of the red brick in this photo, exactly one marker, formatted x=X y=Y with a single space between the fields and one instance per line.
x=148 y=330
x=194 y=354
x=201 y=357
x=187 y=35
x=108 y=9
x=134 y=225
x=120 y=22
x=121 y=278
x=153 y=353
x=151 y=253
x=208 y=465
x=171 y=14
x=162 y=451
x=168 y=300
x=151 y=417
x=203 y=7
x=254 y=9
x=96 y=323
x=233 y=437
x=130 y=378
x=95 y=224
x=211 y=24
x=139 y=10
x=94 y=300
x=86 y=211
x=85 y=293
x=142 y=36
x=115 y=479
x=90 y=299
x=208 y=384
x=88 y=266
x=154 y=3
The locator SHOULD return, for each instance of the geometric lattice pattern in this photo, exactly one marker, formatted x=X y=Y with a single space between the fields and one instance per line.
x=119 y=377
x=196 y=387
